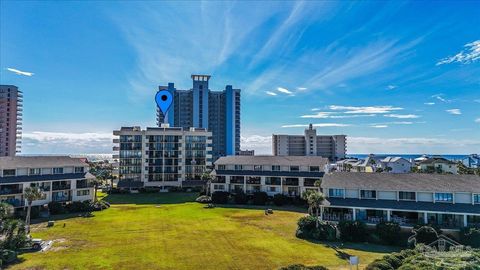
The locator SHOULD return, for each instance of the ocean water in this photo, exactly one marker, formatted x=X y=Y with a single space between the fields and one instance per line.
x=410 y=156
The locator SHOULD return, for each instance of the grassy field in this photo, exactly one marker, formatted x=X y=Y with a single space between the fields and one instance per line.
x=169 y=231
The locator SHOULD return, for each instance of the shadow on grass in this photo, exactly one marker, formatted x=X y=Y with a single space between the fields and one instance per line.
x=290 y=208
x=62 y=217
x=17 y=261
x=152 y=198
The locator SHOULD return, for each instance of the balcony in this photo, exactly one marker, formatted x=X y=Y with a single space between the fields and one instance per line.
x=60 y=187
x=61 y=198
x=8 y=191
x=116 y=140
x=14 y=202
x=290 y=182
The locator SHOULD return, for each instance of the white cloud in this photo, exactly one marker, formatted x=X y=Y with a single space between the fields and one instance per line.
x=411 y=145
x=402 y=116
x=19 y=72
x=66 y=143
x=454 y=111
x=470 y=54
x=324 y=115
x=477 y=100
x=285 y=91
x=429 y=103
x=302 y=88
x=317 y=125
x=391 y=87
x=261 y=144
x=477 y=120
x=270 y=93
x=441 y=98
x=379 y=126
x=365 y=109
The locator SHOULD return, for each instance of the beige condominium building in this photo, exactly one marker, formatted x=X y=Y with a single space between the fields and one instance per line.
x=333 y=147
x=10 y=120
x=162 y=157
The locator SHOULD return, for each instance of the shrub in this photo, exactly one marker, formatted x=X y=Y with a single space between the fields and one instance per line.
x=75 y=207
x=56 y=208
x=220 y=197
x=7 y=256
x=303 y=267
x=99 y=206
x=388 y=232
x=379 y=265
x=204 y=199
x=470 y=236
x=307 y=229
x=425 y=235
x=260 y=198
x=393 y=260
x=280 y=199
x=353 y=231
x=240 y=198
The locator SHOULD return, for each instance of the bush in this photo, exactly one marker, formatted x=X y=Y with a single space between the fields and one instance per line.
x=280 y=199
x=240 y=198
x=220 y=197
x=307 y=229
x=379 y=265
x=470 y=236
x=56 y=208
x=353 y=231
x=260 y=198
x=303 y=267
x=7 y=256
x=99 y=206
x=76 y=207
x=204 y=199
x=388 y=232
x=425 y=235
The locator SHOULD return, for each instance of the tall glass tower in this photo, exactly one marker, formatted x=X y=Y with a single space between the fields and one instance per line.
x=199 y=107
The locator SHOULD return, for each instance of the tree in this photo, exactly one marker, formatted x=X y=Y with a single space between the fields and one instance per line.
x=31 y=194
x=207 y=180
x=13 y=235
x=315 y=200
x=6 y=212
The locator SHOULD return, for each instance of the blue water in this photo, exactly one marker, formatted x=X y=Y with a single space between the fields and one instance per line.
x=410 y=156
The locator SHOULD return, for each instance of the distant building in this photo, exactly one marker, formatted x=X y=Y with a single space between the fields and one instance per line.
x=373 y=163
x=199 y=107
x=162 y=157
x=409 y=199
x=246 y=153
x=62 y=179
x=438 y=165
x=288 y=175
x=472 y=161
x=333 y=147
x=396 y=165
x=10 y=120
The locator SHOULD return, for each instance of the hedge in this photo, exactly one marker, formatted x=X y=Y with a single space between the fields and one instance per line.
x=353 y=231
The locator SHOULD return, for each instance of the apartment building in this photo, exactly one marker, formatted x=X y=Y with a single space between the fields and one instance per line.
x=200 y=107
x=438 y=165
x=289 y=175
x=61 y=178
x=333 y=147
x=162 y=157
x=11 y=112
x=448 y=201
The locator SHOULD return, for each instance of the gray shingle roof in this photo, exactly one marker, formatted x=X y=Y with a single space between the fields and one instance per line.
x=39 y=162
x=273 y=160
x=44 y=177
x=403 y=182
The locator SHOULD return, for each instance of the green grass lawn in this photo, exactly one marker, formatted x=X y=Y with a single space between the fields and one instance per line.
x=169 y=231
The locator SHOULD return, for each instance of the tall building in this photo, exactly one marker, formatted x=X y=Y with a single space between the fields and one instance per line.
x=333 y=147
x=10 y=120
x=199 y=107
x=62 y=179
x=162 y=157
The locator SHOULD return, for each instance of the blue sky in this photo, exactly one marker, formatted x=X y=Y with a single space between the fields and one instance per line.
x=395 y=77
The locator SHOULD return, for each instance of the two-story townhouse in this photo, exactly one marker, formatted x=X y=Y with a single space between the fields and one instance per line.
x=449 y=201
x=61 y=178
x=289 y=175
x=396 y=165
x=438 y=165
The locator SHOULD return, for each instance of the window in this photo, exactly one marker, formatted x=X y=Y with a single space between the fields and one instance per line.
x=272 y=189
x=221 y=167
x=85 y=192
x=476 y=198
x=444 y=197
x=294 y=168
x=257 y=167
x=275 y=168
x=57 y=170
x=368 y=194
x=218 y=187
x=406 y=196
x=35 y=171
x=79 y=169
x=314 y=168
x=238 y=167
x=335 y=192
x=9 y=173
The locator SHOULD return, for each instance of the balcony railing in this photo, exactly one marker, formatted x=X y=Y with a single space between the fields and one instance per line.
x=15 y=202
x=10 y=191
x=61 y=198
x=85 y=185
x=61 y=187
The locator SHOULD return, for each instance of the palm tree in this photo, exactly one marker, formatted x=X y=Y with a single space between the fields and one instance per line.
x=207 y=179
x=6 y=211
x=31 y=194
x=315 y=201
